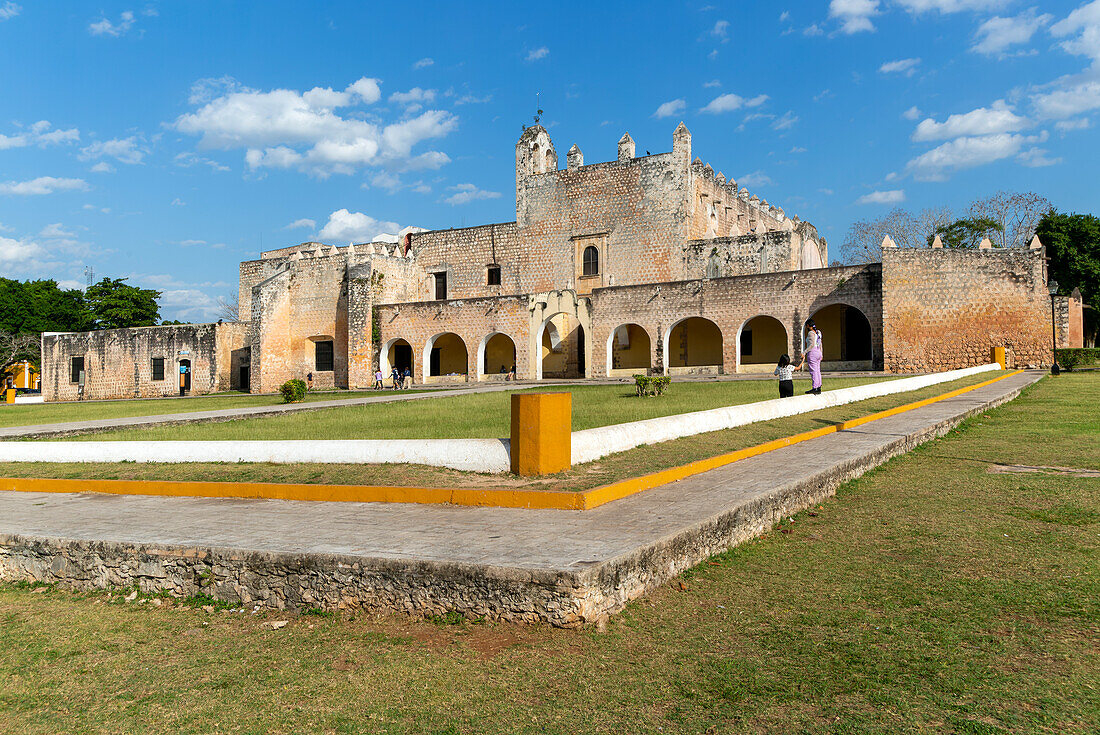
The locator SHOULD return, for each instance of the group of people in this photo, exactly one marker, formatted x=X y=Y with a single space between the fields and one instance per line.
x=810 y=358
x=400 y=379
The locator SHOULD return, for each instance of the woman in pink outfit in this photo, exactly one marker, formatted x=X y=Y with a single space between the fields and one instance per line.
x=812 y=356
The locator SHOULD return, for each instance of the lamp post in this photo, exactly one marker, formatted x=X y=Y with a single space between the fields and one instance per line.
x=1052 y=286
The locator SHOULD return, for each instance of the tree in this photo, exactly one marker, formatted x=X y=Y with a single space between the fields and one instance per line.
x=1017 y=213
x=228 y=308
x=966 y=233
x=1073 y=251
x=113 y=304
x=40 y=306
x=863 y=242
x=17 y=348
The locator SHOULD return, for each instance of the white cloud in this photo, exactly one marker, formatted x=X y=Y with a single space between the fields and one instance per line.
x=1066 y=126
x=1068 y=101
x=425 y=62
x=670 y=108
x=997 y=118
x=731 y=102
x=798 y=149
x=188 y=159
x=813 y=30
x=908 y=67
x=539 y=53
x=466 y=193
x=894 y=196
x=19 y=254
x=1084 y=22
x=967 y=152
x=102 y=168
x=912 y=113
x=287 y=129
x=40 y=134
x=786 y=122
x=721 y=30
x=712 y=83
x=305 y=223
x=1037 y=158
x=949 y=6
x=124 y=150
x=191 y=243
x=9 y=10
x=204 y=90
x=469 y=99
x=996 y=34
x=177 y=202
x=854 y=15
x=413 y=100
x=104 y=27
x=784 y=16
x=344 y=226
x=754 y=179
x=42 y=185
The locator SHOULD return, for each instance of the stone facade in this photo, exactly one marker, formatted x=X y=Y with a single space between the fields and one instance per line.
x=648 y=263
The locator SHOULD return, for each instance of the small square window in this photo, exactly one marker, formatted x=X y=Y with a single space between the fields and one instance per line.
x=324 y=356
x=76 y=367
x=493 y=275
x=440 y=285
x=158 y=368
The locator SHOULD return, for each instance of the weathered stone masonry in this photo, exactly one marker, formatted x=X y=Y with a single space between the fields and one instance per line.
x=640 y=264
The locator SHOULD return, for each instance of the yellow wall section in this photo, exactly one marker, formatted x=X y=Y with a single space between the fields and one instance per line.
x=695 y=341
x=500 y=352
x=769 y=341
x=636 y=354
x=452 y=354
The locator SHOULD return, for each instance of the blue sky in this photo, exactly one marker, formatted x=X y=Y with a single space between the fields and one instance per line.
x=165 y=141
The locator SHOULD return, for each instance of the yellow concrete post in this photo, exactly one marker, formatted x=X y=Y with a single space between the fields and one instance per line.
x=9 y=395
x=998 y=357
x=542 y=427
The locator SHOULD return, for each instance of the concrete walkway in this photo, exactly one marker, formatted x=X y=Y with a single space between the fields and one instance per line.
x=562 y=567
x=32 y=431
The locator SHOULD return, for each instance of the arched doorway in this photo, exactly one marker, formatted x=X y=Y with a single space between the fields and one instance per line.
x=397 y=353
x=561 y=352
x=760 y=343
x=628 y=351
x=445 y=359
x=496 y=357
x=693 y=345
x=845 y=338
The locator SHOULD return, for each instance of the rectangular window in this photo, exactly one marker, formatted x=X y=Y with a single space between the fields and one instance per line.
x=493 y=278
x=746 y=342
x=76 y=367
x=324 y=355
x=158 y=368
x=441 y=285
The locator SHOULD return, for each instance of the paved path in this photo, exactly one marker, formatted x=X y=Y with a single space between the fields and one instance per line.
x=229 y=414
x=544 y=540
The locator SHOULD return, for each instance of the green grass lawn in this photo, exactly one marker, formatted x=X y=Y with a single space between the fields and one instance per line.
x=632 y=463
x=482 y=415
x=27 y=414
x=931 y=595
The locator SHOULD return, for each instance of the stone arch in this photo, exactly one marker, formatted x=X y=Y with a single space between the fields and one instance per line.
x=562 y=349
x=629 y=350
x=760 y=342
x=445 y=359
x=543 y=308
x=397 y=352
x=497 y=350
x=692 y=345
x=847 y=338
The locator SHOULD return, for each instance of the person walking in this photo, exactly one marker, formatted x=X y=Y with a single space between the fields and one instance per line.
x=378 y=379
x=396 y=375
x=785 y=371
x=812 y=357
x=407 y=378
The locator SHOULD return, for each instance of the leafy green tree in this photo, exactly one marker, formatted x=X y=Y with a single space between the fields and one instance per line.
x=113 y=303
x=1073 y=250
x=965 y=233
x=41 y=306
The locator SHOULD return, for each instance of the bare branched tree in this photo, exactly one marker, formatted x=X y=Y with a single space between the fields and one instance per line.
x=18 y=347
x=1018 y=213
x=228 y=308
x=863 y=242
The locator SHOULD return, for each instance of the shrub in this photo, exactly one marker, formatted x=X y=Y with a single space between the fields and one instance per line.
x=293 y=391
x=646 y=385
x=1075 y=357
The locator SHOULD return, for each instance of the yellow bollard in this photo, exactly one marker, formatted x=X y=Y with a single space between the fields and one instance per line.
x=9 y=395
x=542 y=427
x=998 y=356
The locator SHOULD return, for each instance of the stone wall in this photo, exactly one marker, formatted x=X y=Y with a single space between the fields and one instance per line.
x=946 y=308
x=118 y=363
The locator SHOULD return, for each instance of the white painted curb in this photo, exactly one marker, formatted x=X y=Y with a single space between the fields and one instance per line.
x=471 y=455
x=592 y=444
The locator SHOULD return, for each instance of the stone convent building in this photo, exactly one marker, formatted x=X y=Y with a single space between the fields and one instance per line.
x=644 y=264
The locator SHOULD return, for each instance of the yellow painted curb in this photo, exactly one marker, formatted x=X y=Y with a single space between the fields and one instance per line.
x=485 y=497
